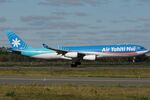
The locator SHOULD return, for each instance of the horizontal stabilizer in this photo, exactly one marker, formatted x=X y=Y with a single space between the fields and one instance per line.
x=13 y=51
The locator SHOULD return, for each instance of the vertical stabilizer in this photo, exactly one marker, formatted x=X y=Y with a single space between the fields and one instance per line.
x=16 y=42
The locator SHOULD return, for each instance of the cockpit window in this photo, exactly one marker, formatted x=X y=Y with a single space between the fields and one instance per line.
x=142 y=48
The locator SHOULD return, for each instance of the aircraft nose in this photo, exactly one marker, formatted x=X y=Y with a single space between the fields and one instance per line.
x=146 y=51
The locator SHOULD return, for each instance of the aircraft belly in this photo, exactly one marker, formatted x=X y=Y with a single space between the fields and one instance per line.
x=48 y=56
x=116 y=55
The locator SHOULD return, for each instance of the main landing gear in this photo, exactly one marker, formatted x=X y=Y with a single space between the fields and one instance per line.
x=75 y=64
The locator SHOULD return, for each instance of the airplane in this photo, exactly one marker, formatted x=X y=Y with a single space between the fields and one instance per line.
x=74 y=53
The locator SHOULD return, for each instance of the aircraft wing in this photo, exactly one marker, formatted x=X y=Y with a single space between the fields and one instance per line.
x=63 y=52
x=75 y=55
x=57 y=50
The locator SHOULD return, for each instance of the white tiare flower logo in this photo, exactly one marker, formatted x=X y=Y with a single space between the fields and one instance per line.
x=15 y=42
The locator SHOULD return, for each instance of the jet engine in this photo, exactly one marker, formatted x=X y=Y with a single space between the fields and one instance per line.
x=89 y=57
x=72 y=54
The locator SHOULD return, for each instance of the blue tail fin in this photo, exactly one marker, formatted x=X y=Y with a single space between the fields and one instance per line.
x=16 y=42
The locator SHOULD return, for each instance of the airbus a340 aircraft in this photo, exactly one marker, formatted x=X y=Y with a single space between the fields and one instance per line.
x=75 y=53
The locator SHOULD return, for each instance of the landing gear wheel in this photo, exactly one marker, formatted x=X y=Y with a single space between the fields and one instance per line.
x=73 y=65
x=78 y=63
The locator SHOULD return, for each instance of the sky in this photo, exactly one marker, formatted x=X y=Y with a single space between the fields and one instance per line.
x=76 y=22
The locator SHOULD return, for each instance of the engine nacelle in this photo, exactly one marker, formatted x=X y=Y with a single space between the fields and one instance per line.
x=89 y=57
x=71 y=54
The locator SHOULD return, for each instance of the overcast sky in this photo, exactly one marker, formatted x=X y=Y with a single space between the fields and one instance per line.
x=76 y=22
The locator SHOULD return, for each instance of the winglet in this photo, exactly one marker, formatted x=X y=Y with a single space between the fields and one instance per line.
x=45 y=46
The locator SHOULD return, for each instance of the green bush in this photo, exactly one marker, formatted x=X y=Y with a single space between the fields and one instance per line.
x=11 y=94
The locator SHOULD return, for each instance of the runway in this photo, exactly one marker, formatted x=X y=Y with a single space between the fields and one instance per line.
x=75 y=80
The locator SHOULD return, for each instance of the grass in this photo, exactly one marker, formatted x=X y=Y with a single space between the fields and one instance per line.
x=78 y=72
x=72 y=92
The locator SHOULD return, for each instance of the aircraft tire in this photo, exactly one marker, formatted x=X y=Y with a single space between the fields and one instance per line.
x=78 y=63
x=73 y=65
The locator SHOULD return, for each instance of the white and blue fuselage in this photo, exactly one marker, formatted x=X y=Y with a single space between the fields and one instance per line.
x=99 y=51
x=75 y=53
